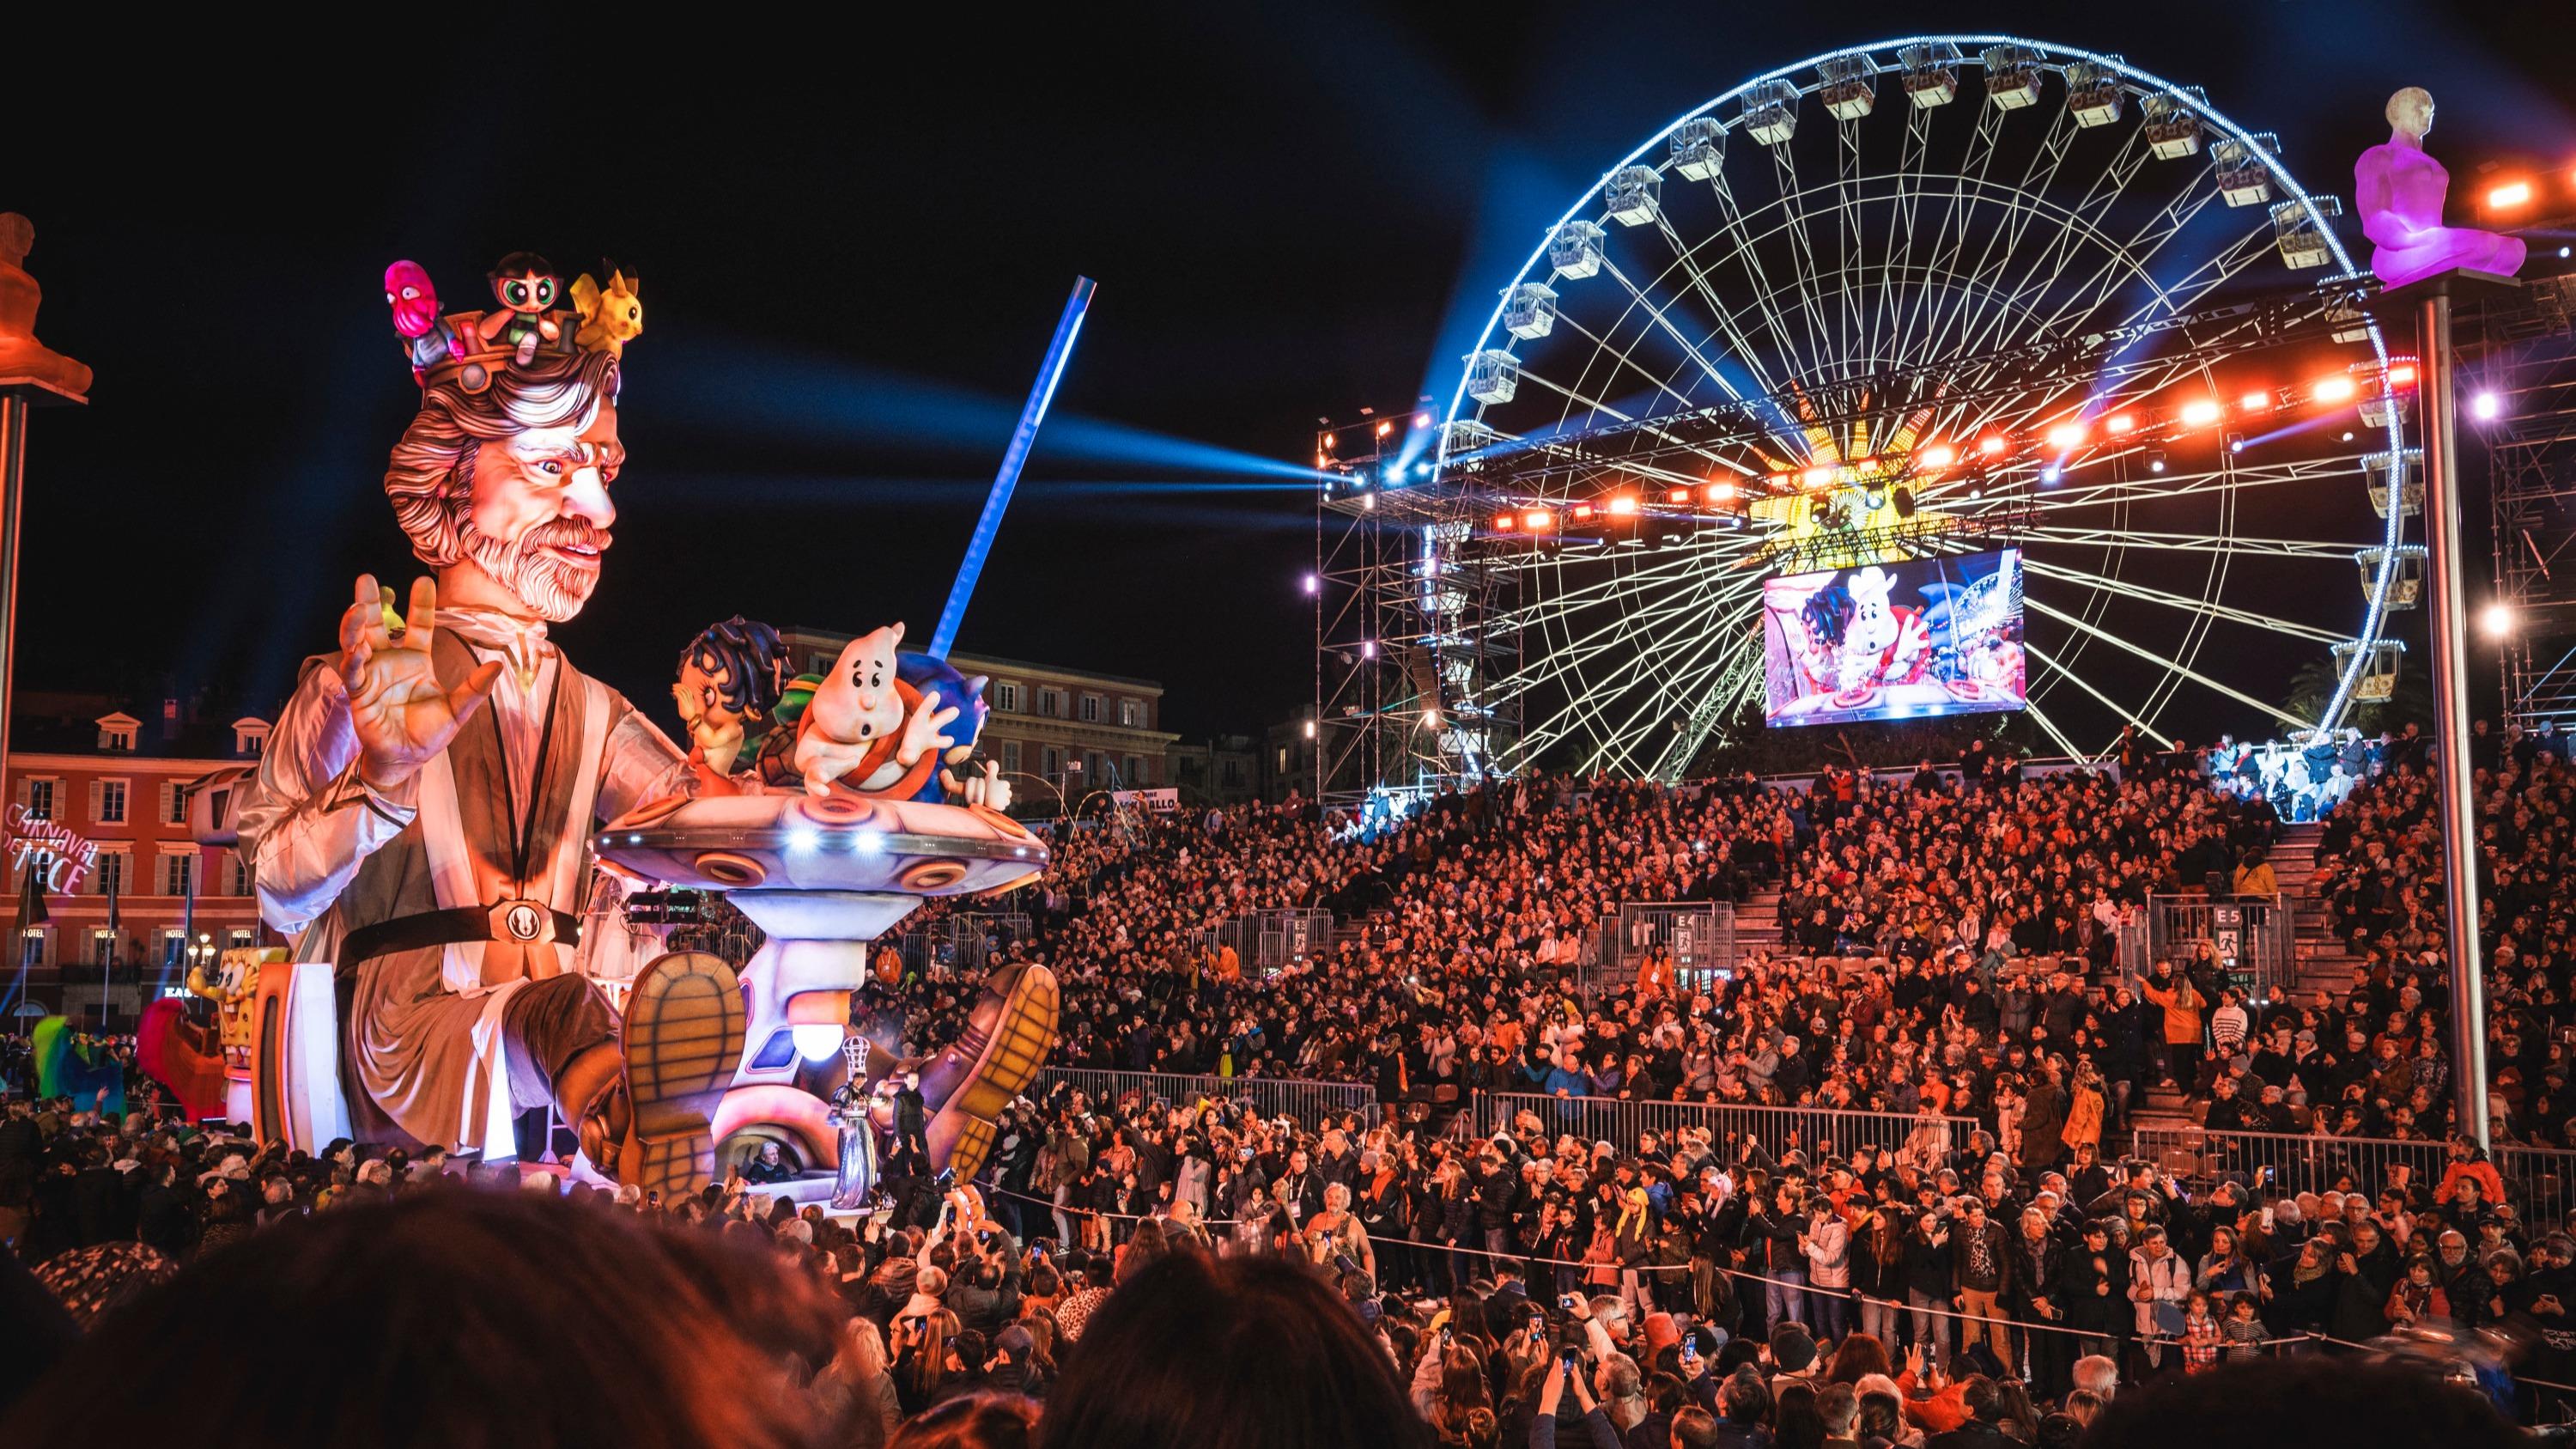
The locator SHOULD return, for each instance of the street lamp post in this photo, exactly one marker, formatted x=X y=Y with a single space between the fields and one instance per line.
x=31 y=374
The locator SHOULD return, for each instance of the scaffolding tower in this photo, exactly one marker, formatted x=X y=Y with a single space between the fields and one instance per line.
x=1400 y=662
x=2522 y=394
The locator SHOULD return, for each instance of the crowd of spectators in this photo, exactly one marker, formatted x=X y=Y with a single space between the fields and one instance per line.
x=1339 y=1281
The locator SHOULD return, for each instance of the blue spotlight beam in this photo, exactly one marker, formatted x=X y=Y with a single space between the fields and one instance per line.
x=1059 y=352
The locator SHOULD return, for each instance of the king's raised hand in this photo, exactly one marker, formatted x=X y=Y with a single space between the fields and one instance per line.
x=399 y=711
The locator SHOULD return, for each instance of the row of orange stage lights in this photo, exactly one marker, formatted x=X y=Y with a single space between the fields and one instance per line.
x=2529 y=198
x=2054 y=443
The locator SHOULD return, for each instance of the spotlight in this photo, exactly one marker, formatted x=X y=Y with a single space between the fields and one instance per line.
x=1422 y=420
x=2563 y=252
x=1817 y=477
x=804 y=837
x=1368 y=648
x=1506 y=522
x=1583 y=512
x=2236 y=442
x=1537 y=519
x=2332 y=390
x=2051 y=473
x=2255 y=402
x=2066 y=437
x=816 y=1040
x=2511 y=194
x=1313 y=584
x=1384 y=427
x=1940 y=455
x=1421 y=470
x=1990 y=444
x=2118 y=423
x=2347 y=437
x=2200 y=412
x=1721 y=492
x=2496 y=619
x=1678 y=495
x=1431 y=719
x=1623 y=506
x=2485 y=407
x=2401 y=374
x=2155 y=460
x=1310 y=729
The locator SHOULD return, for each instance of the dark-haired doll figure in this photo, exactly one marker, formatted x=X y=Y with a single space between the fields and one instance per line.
x=730 y=676
x=526 y=286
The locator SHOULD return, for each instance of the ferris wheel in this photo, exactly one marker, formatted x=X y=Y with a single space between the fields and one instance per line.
x=1918 y=301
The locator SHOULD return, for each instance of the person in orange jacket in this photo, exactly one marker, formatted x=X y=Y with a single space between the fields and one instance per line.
x=2182 y=1003
x=2468 y=1163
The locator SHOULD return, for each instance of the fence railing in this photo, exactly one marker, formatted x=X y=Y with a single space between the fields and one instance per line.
x=1813 y=1132
x=2538 y=1180
x=2251 y=934
x=1308 y=1102
x=1267 y=940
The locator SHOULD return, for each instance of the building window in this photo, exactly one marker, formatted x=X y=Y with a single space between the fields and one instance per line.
x=1051 y=703
x=177 y=871
x=174 y=947
x=102 y=946
x=116 y=732
x=40 y=798
x=1131 y=713
x=239 y=875
x=1091 y=709
x=1135 y=770
x=1006 y=698
x=1053 y=759
x=1010 y=757
x=250 y=736
x=1283 y=759
x=31 y=946
x=242 y=938
x=107 y=802
x=174 y=803
x=109 y=874
x=1233 y=773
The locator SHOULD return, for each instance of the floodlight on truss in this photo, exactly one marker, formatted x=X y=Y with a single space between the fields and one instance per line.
x=1529 y=311
x=1574 y=250
x=1698 y=148
x=2012 y=75
x=2243 y=179
x=1931 y=73
x=2172 y=127
x=1630 y=195
x=1770 y=113
x=2093 y=93
x=1848 y=86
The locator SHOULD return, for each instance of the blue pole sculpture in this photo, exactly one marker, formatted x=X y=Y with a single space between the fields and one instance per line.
x=1059 y=352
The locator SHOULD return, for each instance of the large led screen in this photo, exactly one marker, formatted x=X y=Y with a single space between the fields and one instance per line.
x=1902 y=640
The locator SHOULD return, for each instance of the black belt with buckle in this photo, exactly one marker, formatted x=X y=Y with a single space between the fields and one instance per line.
x=522 y=922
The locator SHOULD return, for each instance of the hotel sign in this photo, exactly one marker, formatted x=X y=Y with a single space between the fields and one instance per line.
x=58 y=857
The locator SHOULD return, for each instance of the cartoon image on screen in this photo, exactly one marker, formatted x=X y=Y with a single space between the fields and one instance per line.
x=1901 y=640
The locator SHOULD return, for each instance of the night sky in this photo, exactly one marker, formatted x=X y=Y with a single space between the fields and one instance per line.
x=853 y=245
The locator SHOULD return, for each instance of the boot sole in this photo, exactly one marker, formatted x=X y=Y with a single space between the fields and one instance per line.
x=683 y=1042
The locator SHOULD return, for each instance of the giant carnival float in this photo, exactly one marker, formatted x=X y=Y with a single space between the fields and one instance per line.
x=447 y=804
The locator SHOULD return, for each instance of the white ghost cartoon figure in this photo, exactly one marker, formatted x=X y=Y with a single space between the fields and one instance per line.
x=865 y=725
x=1874 y=632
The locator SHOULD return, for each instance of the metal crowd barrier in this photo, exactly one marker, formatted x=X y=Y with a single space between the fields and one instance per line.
x=2540 y=1181
x=1813 y=1132
x=1308 y=1102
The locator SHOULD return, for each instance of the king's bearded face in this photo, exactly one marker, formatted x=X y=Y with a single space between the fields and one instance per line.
x=540 y=514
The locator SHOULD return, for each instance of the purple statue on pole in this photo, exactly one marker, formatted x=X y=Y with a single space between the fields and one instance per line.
x=2401 y=190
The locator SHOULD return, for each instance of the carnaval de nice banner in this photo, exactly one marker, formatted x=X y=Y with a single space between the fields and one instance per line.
x=1905 y=640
